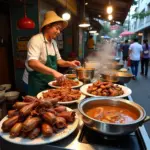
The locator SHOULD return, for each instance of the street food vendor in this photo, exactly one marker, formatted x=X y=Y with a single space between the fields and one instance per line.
x=43 y=55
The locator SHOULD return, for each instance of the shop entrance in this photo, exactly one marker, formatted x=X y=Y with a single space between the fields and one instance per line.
x=6 y=54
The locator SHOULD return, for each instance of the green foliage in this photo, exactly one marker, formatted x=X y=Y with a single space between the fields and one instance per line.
x=135 y=2
x=126 y=24
x=133 y=36
x=112 y=33
x=141 y=15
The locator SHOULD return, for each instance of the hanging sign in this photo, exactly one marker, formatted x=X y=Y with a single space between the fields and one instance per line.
x=114 y=27
x=22 y=43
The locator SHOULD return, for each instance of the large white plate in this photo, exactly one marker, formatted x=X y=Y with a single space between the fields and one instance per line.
x=40 y=95
x=51 y=84
x=41 y=140
x=126 y=91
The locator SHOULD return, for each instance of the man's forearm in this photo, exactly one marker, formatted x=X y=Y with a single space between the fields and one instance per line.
x=63 y=63
x=38 y=66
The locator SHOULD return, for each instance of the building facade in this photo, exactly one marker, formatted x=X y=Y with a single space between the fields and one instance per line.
x=140 y=26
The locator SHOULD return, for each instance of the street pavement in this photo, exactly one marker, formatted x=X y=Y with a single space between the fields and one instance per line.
x=141 y=94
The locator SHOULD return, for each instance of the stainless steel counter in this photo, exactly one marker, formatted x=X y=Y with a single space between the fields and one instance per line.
x=71 y=142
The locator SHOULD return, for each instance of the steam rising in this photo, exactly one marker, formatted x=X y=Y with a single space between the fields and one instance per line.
x=101 y=58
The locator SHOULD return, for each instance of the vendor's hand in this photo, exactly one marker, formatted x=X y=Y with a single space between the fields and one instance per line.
x=74 y=63
x=59 y=77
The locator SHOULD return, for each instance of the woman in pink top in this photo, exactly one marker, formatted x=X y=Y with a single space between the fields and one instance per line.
x=145 y=58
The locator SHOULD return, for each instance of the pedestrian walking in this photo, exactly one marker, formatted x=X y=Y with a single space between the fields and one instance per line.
x=118 y=49
x=125 y=52
x=90 y=45
x=145 y=58
x=135 y=52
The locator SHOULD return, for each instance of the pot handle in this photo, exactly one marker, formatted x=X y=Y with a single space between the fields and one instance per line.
x=88 y=122
x=147 y=118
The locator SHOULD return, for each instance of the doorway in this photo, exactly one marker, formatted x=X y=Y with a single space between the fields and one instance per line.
x=6 y=52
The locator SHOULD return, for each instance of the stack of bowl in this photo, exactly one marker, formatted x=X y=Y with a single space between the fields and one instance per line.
x=6 y=86
x=2 y=92
x=12 y=95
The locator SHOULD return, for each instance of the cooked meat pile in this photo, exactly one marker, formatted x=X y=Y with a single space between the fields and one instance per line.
x=66 y=83
x=63 y=94
x=105 y=89
x=34 y=117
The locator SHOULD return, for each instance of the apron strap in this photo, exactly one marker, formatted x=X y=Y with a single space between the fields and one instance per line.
x=54 y=49
x=47 y=49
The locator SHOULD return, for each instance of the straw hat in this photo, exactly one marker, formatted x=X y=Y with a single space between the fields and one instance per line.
x=51 y=17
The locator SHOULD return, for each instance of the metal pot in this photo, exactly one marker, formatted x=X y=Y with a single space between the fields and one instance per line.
x=85 y=74
x=118 y=66
x=71 y=76
x=112 y=129
x=114 y=65
x=110 y=78
x=115 y=76
x=117 y=59
x=124 y=77
x=114 y=59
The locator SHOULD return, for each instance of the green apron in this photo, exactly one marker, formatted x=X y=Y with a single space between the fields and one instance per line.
x=37 y=81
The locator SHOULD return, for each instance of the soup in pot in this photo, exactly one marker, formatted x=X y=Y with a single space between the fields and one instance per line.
x=112 y=114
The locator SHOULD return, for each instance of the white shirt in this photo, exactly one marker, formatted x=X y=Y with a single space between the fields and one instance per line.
x=37 y=49
x=136 y=50
x=25 y=76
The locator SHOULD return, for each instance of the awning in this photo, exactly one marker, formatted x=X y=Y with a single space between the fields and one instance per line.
x=96 y=24
x=126 y=33
x=98 y=7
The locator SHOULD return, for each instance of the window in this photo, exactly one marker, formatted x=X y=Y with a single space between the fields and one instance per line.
x=148 y=17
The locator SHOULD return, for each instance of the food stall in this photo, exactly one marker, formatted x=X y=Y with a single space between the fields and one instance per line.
x=75 y=133
x=57 y=119
x=83 y=138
